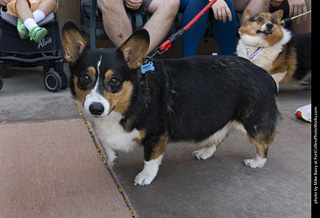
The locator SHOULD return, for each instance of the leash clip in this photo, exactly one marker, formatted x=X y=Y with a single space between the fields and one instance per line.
x=149 y=58
x=147 y=64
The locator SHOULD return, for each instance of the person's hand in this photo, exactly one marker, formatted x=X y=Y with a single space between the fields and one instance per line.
x=221 y=11
x=297 y=7
x=4 y=2
x=276 y=3
x=133 y=4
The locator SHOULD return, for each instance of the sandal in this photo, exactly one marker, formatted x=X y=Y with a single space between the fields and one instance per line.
x=37 y=33
x=22 y=30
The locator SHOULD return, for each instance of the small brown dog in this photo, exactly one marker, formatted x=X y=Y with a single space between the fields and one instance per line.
x=266 y=43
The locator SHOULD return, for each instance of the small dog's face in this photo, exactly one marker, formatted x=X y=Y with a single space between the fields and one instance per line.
x=103 y=79
x=263 y=26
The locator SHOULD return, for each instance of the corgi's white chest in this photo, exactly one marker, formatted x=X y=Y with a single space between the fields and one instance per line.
x=262 y=57
x=112 y=134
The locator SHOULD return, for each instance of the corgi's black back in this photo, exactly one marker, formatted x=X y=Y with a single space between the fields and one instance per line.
x=197 y=92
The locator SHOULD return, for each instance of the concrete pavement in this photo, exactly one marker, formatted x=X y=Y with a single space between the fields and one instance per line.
x=218 y=187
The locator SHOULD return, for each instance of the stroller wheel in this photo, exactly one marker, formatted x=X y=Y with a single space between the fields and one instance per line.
x=65 y=80
x=1 y=83
x=52 y=81
x=4 y=72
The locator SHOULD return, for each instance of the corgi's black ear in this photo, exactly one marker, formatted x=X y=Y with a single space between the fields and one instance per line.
x=278 y=14
x=135 y=48
x=73 y=41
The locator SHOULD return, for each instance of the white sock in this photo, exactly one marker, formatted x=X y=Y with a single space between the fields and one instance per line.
x=29 y=23
x=38 y=15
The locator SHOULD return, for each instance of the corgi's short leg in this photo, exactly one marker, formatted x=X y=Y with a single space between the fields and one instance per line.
x=112 y=156
x=213 y=142
x=261 y=156
x=149 y=172
x=278 y=77
x=153 y=154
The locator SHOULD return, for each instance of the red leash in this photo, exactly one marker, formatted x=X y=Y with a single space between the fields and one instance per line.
x=173 y=38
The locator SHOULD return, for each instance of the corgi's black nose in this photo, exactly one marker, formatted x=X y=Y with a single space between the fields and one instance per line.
x=269 y=26
x=96 y=108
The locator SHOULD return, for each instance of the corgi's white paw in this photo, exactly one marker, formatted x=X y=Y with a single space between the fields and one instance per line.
x=149 y=172
x=144 y=178
x=257 y=162
x=204 y=153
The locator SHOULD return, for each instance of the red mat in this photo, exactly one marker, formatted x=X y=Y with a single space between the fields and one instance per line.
x=52 y=169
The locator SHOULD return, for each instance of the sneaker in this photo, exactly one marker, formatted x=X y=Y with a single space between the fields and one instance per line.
x=22 y=30
x=37 y=33
x=304 y=113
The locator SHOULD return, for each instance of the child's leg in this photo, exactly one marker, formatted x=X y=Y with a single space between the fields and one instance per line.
x=43 y=8
x=47 y=6
x=25 y=14
x=23 y=10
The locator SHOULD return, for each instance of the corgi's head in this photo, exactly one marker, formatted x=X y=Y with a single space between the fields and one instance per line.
x=261 y=29
x=104 y=80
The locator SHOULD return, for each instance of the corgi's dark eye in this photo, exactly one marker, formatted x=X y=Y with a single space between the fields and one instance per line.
x=272 y=20
x=114 y=83
x=85 y=79
x=260 y=19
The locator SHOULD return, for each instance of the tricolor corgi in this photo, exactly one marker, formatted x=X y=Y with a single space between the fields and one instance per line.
x=198 y=99
x=267 y=44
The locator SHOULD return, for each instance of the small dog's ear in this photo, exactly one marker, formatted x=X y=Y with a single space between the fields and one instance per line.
x=278 y=14
x=135 y=48
x=73 y=41
x=247 y=14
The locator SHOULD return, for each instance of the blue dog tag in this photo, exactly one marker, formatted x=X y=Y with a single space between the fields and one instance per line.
x=147 y=67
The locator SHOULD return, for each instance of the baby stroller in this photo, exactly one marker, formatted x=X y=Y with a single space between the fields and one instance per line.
x=25 y=53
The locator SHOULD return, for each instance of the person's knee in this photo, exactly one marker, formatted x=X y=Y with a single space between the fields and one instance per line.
x=53 y=2
x=21 y=1
x=107 y=6
x=172 y=6
x=264 y=2
x=102 y=4
x=169 y=7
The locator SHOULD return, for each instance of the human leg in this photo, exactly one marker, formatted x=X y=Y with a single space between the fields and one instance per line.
x=192 y=39
x=225 y=33
x=163 y=14
x=23 y=10
x=255 y=6
x=43 y=8
x=115 y=20
x=240 y=6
